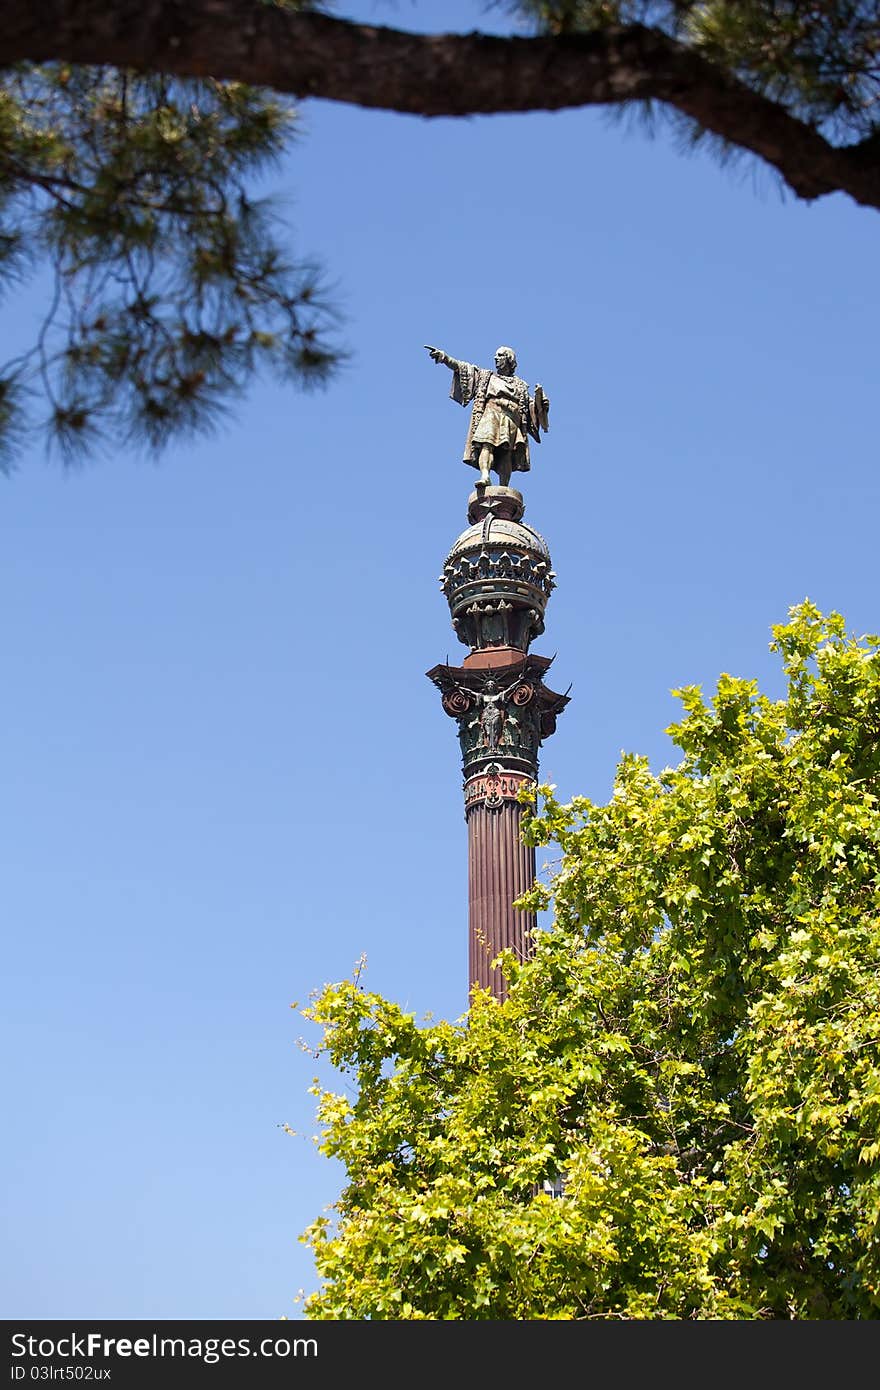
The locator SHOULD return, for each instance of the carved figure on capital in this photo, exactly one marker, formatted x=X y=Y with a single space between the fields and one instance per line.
x=494 y=724
x=509 y=720
x=493 y=716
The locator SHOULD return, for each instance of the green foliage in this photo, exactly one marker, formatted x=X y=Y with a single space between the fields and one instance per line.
x=170 y=286
x=693 y=1047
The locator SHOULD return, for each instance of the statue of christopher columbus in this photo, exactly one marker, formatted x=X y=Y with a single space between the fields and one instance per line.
x=504 y=415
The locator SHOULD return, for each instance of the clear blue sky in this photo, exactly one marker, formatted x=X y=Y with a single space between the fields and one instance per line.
x=225 y=775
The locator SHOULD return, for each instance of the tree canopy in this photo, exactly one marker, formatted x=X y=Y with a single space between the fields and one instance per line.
x=676 y=1112
x=130 y=134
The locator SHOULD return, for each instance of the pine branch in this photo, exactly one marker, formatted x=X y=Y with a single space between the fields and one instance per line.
x=312 y=55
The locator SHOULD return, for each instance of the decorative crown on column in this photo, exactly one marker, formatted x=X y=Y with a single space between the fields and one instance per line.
x=497 y=579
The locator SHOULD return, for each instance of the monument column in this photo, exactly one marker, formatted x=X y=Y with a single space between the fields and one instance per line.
x=497 y=579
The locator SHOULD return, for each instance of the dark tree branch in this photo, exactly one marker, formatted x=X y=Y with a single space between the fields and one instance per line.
x=311 y=55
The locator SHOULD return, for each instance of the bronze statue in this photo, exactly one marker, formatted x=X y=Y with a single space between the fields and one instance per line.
x=504 y=413
x=494 y=715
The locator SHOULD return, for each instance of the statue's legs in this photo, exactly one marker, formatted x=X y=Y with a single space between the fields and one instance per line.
x=499 y=459
x=503 y=466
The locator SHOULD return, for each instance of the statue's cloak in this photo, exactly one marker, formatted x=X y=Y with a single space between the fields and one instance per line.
x=470 y=383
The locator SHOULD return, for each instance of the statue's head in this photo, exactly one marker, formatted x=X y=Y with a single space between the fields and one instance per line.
x=505 y=361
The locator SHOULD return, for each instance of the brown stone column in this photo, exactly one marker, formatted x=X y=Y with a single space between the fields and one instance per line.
x=500 y=869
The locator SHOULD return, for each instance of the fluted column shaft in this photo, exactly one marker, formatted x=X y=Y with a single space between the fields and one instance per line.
x=500 y=869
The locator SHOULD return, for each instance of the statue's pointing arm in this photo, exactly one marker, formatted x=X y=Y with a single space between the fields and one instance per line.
x=438 y=355
x=464 y=376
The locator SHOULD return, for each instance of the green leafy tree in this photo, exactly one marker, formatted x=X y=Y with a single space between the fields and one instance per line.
x=130 y=134
x=690 y=1057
